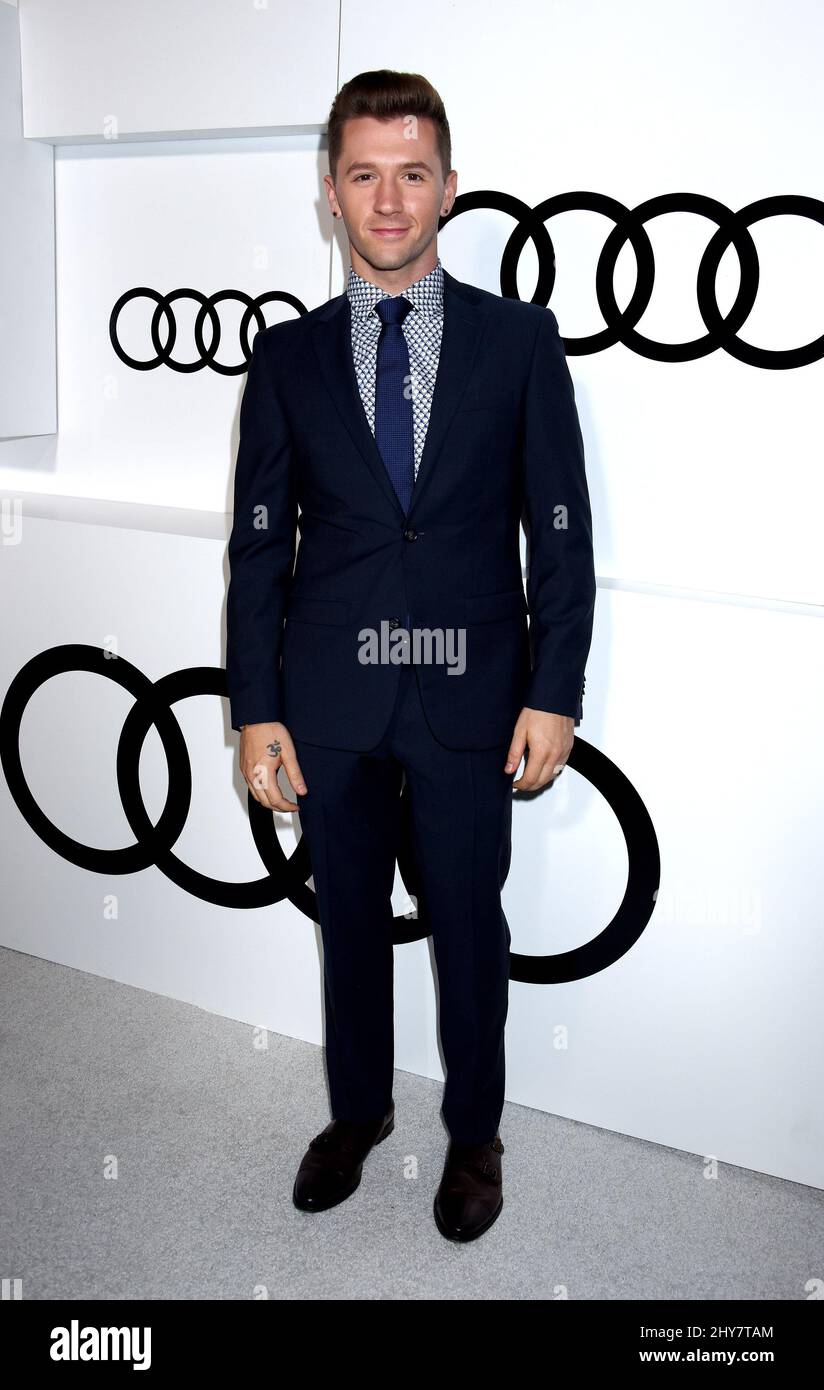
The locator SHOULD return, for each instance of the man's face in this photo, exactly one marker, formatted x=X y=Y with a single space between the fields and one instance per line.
x=390 y=190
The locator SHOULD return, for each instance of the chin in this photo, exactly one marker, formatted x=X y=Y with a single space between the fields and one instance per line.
x=392 y=254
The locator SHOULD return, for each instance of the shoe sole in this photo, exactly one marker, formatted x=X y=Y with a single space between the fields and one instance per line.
x=326 y=1206
x=472 y=1235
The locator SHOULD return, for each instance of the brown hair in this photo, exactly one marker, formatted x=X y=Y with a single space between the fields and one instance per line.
x=385 y=95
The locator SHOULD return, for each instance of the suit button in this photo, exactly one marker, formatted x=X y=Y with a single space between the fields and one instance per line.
x=410 y=535
x=394 y=622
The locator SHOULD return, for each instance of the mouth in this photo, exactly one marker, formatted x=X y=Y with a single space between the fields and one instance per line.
x=390 y=231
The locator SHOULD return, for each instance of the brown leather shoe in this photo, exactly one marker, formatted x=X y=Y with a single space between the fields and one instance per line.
x=331 y=1168
x=469 y=1198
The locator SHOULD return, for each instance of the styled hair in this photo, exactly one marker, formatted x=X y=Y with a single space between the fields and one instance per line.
x=386 y=95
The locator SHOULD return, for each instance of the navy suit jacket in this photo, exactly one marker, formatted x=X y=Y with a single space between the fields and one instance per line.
x=503 y=445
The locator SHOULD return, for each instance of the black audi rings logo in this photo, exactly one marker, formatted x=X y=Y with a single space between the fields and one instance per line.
x=163 y=310
x=629 y=227
x=722 y=331
x=286 y=877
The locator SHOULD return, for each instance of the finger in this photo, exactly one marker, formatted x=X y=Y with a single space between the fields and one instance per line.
x=258 y=794
x=260 y=777
x=271 y=798
x=263 y=781
x=547 y=771
x=274 y=796
x=516 y=752
x=536 y=765
x=279 y=802
x=293 y=772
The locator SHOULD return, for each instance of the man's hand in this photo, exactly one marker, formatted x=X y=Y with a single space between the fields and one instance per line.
x=549 y=737
x=260 y=768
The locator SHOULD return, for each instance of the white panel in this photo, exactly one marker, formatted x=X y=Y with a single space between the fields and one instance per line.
x=28 y=403
x=116 y=69
x=706 y=1035
x=228 y=215
x=161 y=598
x=705 y=473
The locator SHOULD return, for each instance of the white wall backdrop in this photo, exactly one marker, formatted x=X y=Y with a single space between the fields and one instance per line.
x=705 y=682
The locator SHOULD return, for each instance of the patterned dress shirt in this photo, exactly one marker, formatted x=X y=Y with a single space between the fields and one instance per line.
x=422 y=329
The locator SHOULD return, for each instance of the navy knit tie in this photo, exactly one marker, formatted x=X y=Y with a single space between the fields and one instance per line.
x=394 y=435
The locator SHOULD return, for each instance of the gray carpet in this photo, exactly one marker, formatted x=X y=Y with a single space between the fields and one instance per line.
x=207 y=1133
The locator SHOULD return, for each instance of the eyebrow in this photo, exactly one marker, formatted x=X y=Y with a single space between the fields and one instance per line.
x=409 y=164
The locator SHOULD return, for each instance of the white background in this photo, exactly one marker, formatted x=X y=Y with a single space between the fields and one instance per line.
x=705 y=680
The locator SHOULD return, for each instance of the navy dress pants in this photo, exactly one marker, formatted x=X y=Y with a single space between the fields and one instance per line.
x=461 y=811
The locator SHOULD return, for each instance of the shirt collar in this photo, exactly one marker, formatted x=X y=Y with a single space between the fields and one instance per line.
x=425 y=295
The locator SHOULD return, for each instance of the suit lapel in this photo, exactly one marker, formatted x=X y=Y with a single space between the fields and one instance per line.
x=331 y=336
x=464 y=321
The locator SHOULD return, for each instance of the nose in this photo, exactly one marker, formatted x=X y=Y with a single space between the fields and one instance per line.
x=387 y=197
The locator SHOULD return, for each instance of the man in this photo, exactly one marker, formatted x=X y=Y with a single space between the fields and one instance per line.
x=414 y=420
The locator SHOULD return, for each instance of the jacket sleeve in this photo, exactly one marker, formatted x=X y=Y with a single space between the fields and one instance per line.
x=561 y=577
x=261 y=546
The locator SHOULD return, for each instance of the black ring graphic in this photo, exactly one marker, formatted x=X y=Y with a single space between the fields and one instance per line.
x=286 y=876
x=732 y=230
x=163 y=302
x=620 y=327
x=629 y=226
x=643 y=878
